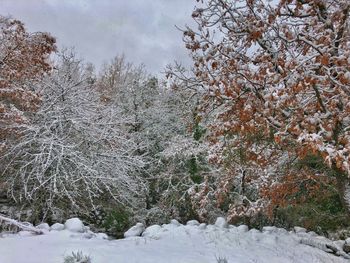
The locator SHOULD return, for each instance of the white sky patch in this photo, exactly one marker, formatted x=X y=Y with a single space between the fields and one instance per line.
x=143 y=30
x=79 y=4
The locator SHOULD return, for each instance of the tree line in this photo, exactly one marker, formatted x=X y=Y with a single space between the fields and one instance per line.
x=257 y=130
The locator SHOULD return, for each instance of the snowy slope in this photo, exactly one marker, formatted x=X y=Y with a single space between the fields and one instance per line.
x=171 y=243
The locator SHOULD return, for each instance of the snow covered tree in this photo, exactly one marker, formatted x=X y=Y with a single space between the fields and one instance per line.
x=159 y=117
x=23 y=60
x=138 y=96
x=182 y=153
x=113 y=77
x=129 y=86
x=275 y=76
x=76 y=151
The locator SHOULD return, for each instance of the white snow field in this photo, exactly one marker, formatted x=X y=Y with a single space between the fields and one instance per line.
x=170 y=243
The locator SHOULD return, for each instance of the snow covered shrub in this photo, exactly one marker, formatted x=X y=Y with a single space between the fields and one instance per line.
x=156 y=215
x=77 y=257
x=111 y=217
x=221 y=195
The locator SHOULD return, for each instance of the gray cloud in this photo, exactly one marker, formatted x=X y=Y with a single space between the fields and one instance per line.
x=144 y=30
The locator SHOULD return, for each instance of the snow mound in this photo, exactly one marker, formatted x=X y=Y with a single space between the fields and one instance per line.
x=101 y=236
x=154 y=232
x=202 y=226
x=175 y=222
x=221 y=222
x=43 y=226
x=57 y=227
x=346 y=245
x=135 y=230
x=74 y=225
x=298 y=229
x=192 y=223
x=242 y=228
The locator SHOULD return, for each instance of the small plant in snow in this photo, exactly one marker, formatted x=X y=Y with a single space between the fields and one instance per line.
x=221 y=260
x=77 y=257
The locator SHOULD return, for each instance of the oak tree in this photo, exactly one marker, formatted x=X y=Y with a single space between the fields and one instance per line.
x=23 y=60
x=275 y=75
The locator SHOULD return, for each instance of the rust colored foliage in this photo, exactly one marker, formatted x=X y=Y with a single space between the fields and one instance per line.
x=279 y=71
x=296 y=188
x=23 y=60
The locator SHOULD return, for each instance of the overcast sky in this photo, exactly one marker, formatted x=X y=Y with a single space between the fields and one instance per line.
x=144 y=30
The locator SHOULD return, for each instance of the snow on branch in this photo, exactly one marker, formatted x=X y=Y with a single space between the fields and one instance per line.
x=20 y=225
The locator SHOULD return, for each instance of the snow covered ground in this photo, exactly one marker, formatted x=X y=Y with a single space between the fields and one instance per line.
x=170 y=243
